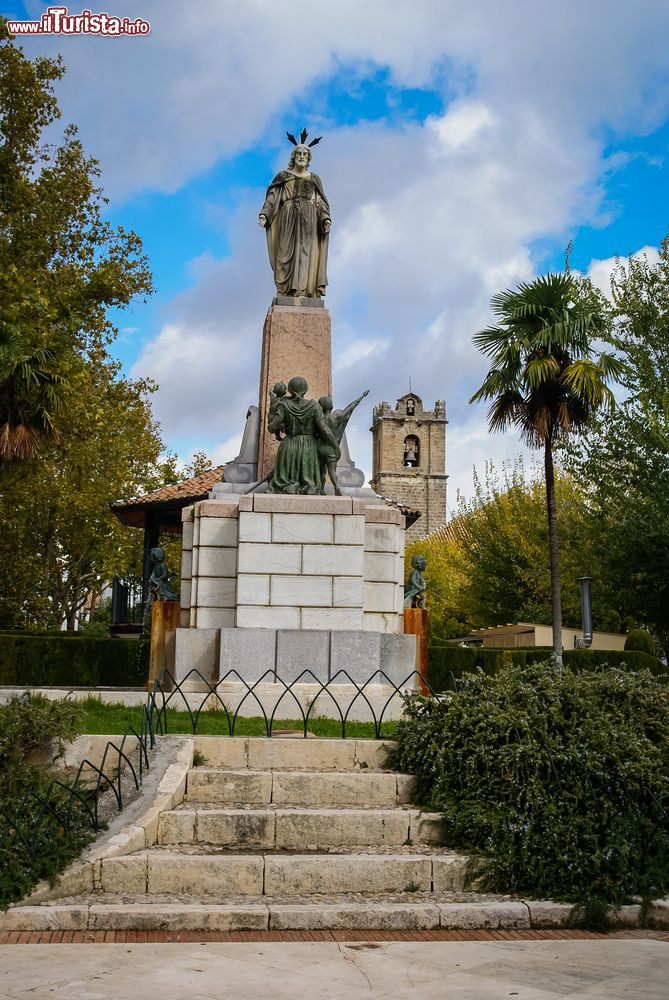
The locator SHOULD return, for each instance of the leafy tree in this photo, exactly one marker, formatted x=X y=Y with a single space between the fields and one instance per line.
x=625 y=462
x=61 y=264
x=89 y=432
x=199 y=463
x=545 y=381
x=488 y=566
x=55 y=511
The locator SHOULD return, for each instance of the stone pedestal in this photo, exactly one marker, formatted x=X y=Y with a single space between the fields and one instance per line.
x=283 y=584
x=165 y=616
x=266 y=560
x=415 y=623
x=295 y=341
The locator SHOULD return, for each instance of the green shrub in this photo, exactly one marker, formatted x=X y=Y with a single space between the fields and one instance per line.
x=641 y=639
x=36 y=840
x=66 y=660
x=558 y=780
x=448 y=664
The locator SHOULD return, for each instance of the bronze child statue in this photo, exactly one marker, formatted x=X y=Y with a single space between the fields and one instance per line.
x=414 y=591
x=159 y=581
x=336 y=421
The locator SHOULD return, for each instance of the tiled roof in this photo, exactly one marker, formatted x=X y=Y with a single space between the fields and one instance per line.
x=194 y=488
x=411 y=513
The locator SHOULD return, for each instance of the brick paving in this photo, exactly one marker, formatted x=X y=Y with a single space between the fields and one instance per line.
x=168 y=937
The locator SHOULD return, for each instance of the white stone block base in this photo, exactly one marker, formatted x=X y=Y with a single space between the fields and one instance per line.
x=292 y=562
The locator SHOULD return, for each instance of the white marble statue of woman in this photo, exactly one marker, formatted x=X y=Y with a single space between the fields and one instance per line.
x=296 y=217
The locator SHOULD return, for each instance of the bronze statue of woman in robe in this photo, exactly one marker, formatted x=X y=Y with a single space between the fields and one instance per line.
x=298 y=466
x=296 y=218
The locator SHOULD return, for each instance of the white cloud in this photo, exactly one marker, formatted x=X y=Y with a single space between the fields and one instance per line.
x=428 y=219
x=359 y=350
x=464 y=122
x=207 y=81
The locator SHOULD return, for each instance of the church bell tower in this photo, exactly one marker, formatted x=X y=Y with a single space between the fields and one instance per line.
x=409 y=459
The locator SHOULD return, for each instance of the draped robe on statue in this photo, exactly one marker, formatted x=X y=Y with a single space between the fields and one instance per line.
x=295 y=208
x=297 y=468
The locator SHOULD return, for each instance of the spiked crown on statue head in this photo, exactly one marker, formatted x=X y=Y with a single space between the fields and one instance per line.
x=303 y=139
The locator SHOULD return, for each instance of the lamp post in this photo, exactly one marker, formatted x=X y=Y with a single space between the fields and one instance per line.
x=585 y=641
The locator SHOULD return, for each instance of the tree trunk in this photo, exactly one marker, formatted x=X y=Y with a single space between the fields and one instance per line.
x=556 y=601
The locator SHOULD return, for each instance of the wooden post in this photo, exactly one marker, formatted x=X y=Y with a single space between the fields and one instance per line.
x=151 y=538
x=164 y=622
x=415 y=623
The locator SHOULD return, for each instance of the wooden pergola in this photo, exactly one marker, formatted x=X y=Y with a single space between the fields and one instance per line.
x=160 y=511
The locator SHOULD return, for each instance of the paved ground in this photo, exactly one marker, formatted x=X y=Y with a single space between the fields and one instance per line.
x=612 y=968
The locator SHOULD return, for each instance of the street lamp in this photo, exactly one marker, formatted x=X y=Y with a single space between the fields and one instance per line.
x=585 y=641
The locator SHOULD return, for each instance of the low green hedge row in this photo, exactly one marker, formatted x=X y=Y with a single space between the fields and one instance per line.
x=447 y=664
x=55 y=660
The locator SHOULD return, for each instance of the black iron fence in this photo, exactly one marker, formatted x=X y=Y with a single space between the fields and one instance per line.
x=342 y=693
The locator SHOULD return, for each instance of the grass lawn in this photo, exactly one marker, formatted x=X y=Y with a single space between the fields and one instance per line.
x=102 y=718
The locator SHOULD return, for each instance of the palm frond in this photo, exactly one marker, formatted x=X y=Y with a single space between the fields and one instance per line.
x=613 y=369
x=18 y=442
x=540 y=370
x=505 y=411
x=542 y=378
x=585 y=379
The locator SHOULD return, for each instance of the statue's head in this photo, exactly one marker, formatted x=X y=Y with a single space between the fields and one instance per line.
x=157 y=554
x=279 y=389
x=325 y=404
x=300 y=155
x=419 y=563
x=298 y=386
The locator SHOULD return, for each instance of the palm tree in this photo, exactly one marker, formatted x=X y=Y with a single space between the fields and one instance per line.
x=545 y=380
x=32 y=387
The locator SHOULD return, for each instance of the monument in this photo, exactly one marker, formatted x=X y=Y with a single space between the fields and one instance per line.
x=297 y=332
x=292 y=564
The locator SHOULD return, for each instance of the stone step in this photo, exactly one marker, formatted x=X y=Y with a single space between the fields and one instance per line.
x=264 y=875
x=292 y=753
x=462 y=911
x=296 y=788
x=343 y=911
x=299 y=829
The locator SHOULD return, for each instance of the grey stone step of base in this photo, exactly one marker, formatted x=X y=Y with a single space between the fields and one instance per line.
x=293 y=753
x=160 y=872
x=295 y=788
x=293 y=829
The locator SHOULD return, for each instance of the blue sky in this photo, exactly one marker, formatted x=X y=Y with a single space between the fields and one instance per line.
x=463 y=148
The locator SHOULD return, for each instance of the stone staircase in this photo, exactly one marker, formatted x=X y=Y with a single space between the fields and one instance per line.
x=286 y=834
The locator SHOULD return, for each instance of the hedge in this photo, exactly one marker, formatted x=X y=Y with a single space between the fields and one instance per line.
x=72 y=661
x=41 y=828
x=447 y=664
x=555 y=782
